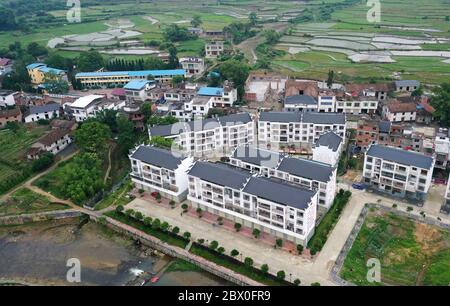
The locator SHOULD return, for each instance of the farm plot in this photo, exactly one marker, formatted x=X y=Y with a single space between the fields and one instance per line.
x=410 y=252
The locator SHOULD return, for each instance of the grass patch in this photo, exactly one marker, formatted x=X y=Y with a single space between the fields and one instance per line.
x=410 y=253
x=236 y=266
x=25 y=201
x=161 y=235
x=118 y=197
x=179 y=265
x=328 y=222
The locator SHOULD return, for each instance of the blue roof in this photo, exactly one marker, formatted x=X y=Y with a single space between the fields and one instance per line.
x=210 y=91
x=44 y=68
x=141 y=73
x=35 y=65
x=136 y=84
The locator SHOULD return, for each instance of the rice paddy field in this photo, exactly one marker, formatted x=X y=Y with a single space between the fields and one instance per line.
x=410 y=252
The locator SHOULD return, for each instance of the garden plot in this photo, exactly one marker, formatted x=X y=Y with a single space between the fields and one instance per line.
x=295 y=50
x=338 y=43
x=422 y=53
x=412 y=29
x=375 y=57
x=151 y=19
x=132 y=51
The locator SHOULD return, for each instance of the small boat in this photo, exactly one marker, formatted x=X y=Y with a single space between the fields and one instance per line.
x=154 y=279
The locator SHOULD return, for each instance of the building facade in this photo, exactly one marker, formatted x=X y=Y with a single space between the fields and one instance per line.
x=44 y=112
x=194 y=66
x=40 y=73
x=214 y=49
x=328 y=149
x=278 y=208
x=398 y=172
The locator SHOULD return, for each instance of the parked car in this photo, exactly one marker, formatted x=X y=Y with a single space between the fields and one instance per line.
x=359 y=186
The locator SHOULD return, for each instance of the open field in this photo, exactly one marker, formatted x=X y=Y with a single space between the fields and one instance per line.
x=25 y=201
x=410 y=253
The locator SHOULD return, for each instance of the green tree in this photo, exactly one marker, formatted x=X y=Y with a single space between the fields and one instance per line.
x=119 y=208
x=153 y=63
x=221 y=250
x=125 y=136
x=165 y=226
x=330 y=79
x=175 y=33
x=156 y=224
x=148 y=221
x=36 y=49
x=90 y=61
x=213 y=245
x=177 y=80
x=281 y=275
x=256 y=233
x=279 y=242
x=248 y=262
x=253 y=18
x=108 y=117
x=272 y=36
x=441 y=103
x=176 y=230
x=187 y=235
x=146 y=110
x=297 y=282
x=299 y=249
x=138 y=215
x=185 y=207
x=237 y=72
x=237 y=227
x=234 y=253
x=196 y=21
x=264 y=268
x=418 y=92
x=43 y=162
x=93 y=137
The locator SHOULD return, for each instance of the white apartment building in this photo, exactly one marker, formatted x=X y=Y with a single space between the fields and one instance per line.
x=357 y=106
x=326 y=102
x=270 y=205
x=7 y=98
x=158 y=170
x=220 y=97
x=398 y=172
x=328 y=149
x=209 y=136
x=442 y=150
x=306 y=173
x=297 y=128
x=88 y=106
x=194 y=66
x=138 y=89
x=214 y=49
x=197 y=108
x=44 y=112
x=300 y=103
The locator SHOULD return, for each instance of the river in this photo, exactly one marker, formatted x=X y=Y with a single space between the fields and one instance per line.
x=37 y=253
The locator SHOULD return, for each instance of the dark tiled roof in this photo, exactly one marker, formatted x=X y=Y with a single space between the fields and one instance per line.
x=309 y=169
x=220 y=174
x=324 y=118
x=10 y=112
x=400 y=156
x=384 y=127
x=279 y=192
x=330 y=140
x=285 y=117
x=407 y=83
x=158 y=157
x=301 y=99
x=53 y=136
x=234 y=119
x=255 y=156
x=51 y=107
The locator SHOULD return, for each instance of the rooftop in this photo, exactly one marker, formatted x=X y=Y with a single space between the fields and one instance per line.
x=53 y=136
x=307 y=117
x=279 y=192
x=404 y=83
x=210 y=91
x=256 y=156
x=140 y=73
x=220 y=174
x=51 y=107
x=330 y=140
x=401 y=156
x=85 y=101
x=306 y=168
x=156 y=156
x=301 y=99
x=137 y=84
x=398 y=107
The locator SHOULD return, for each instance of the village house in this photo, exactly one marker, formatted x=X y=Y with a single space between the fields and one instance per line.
x=137 y=89
x=88 y=106
x=400 y=112
x=261 y=85
x=158 y=170
x=10 y=115
x=7 y=98
x=40 y=73
x=132 y=110
x=407 y=85
x=194 y=66
x=43 y=112
x=5 y=66
x=54 y=142
x=214 y=49
x=272 y=206
x=328 y=149
x=398 y=172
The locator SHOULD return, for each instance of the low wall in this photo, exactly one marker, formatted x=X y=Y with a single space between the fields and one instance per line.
x=177 y=252
x=45 y=216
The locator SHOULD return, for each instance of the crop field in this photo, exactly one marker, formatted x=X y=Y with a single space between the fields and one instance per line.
x=410 y=253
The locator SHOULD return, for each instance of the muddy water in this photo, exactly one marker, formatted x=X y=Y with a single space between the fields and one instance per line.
x=37 y=254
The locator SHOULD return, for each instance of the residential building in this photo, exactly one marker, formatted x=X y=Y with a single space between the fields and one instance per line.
x=300 y=103
x=88 y=106
x=260 y=86
x=197 y=108
x=356 y=106
x=10 y=115
x=302 y=87
x=137 y=89
x=220 y=97
x=398 y=172
x=43 y=112
x=158 y=170
x=54 y=142
x=326 y=102
x=7 y=98
x=328 y=149
x=442 y=150
x=194 y=66
x=306 y=173
x=399 y=112
x=379 y=91
x=117 y=78
x=5 y=66
x=132 y=110
x=209 y=136
x=40 y=73
x=272 y=206
x=407 y=85
x=214 y=49
x=297 y=128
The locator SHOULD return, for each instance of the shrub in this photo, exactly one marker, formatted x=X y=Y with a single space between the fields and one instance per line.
x=120 y=208
x=256 y=233
x=248 y=262
x=316 y=284
x=158 y=197
x=185 y=207
x=141 y=191
x=297 y=282
x=213 y=245
x=138 y=215
x=409 y=209
x=156 y=224
x=237 y=227
x=234 y=253
x=201 y=241
x=221 y=250
x=129 y=212
x=172 y=203
x=199 y=212
x=165 y=226
x=394 y=205
x=220 y=220
x=148 y=221
x=264 y=268
x=281 y=275
x=279 y=243
x=43 y=162
x=187 y=235
x=176 y=230
x=299 y=249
